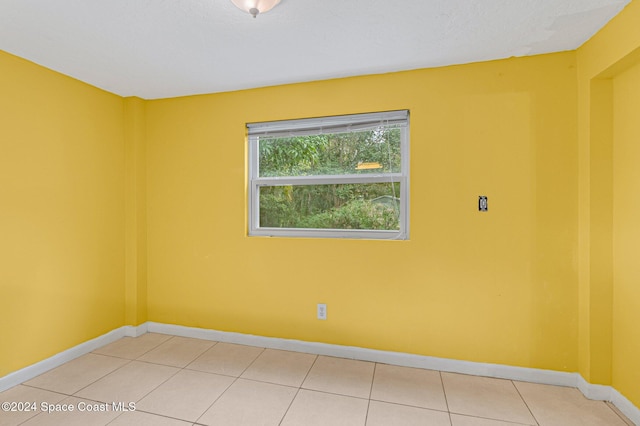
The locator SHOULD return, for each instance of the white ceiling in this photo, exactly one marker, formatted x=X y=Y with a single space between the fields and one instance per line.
x=166 y=48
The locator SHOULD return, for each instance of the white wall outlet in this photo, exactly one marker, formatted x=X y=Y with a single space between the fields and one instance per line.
x=322 y=311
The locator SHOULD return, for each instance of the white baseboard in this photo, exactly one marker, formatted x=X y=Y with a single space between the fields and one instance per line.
x=595 y=392
x=28 y=373
x=625 y=406
x=385 y=357
x=533 y=375
x=135 y=331
x=610 y=394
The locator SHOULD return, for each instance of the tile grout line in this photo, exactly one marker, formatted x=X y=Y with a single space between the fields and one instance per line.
x=298 y=391
x=41 y=412
x=103 y=402
x=39 y=388
x=525 y=402
x=420 y=407
x=164 y=381
x=151 y=413
x=122 y=366
x=446 y=401
x=373 y=378
x=100 y=378
x=216 y=400
x=619 y=413
x=214 y=343
x=74 y=394
x=492 y=419
x=252 y=362
x=133 y=338
x=235 y=380
x=186 y=367
x=180 y=369
x=495 y=419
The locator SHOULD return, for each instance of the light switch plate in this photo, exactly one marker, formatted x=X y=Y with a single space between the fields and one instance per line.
x=483 y=204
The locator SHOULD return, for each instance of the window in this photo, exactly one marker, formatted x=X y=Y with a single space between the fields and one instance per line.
x=337 y=177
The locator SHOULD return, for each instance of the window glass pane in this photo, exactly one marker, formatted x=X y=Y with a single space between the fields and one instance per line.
x=371 y=206
x=371 y=151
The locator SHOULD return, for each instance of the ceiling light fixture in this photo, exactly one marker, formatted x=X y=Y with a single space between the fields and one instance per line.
x=254 y=7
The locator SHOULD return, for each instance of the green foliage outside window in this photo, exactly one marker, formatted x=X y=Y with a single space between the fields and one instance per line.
x=336 y=206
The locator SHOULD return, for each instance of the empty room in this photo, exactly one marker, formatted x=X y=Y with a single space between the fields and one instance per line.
x=301 y=213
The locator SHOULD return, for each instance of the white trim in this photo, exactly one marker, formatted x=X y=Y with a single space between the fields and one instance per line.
x=533 y=375
x=385 y=357
x=329 y=179
x=625 y=406
x=328 y=124
x=313 y=126
x=28 y=373
x=592 y=391
x=136 y=331
x=610 y=394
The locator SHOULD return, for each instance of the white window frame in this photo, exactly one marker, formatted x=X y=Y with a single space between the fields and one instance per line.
x=324 y=125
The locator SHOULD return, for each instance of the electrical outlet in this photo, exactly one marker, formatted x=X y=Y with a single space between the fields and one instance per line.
x=322 y=311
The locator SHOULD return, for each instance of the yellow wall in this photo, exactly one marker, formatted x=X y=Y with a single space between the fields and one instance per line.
x=135 y=211
x=61 y=213
x=626 y=234
x=609 y=295
x=493 y=287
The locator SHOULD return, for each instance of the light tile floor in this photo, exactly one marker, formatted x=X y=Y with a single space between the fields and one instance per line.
x=173 y=381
